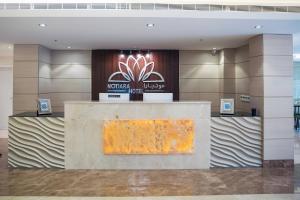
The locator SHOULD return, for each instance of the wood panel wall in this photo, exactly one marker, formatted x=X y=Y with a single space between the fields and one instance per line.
x=105 y=63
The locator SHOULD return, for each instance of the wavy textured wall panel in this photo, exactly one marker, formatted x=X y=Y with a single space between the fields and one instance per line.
x=236 y=142
x=36 y=142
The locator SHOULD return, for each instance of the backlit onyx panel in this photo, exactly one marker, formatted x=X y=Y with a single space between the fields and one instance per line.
x=148 y=136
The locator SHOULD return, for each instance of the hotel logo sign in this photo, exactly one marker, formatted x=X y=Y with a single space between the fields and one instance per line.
x=136 y=76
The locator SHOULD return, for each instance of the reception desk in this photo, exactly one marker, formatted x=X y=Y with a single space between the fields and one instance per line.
x=36 y=140
x=236 y=140
x=135 y=135
x=85 y=132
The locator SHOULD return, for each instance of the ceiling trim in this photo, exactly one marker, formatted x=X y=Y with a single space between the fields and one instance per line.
x=149 y=14
x=217 y=2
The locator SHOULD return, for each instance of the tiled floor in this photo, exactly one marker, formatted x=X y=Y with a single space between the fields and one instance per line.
x=130 y=183
x=145 y=182
x=204 y=197
x=20 y=182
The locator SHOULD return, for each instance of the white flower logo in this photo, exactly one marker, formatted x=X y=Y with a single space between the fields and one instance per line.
x=144 y=68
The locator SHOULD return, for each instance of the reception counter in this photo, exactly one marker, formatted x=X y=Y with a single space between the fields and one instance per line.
x=236 y=140
x=36 y=140
x=85 y=131
x=135 y=135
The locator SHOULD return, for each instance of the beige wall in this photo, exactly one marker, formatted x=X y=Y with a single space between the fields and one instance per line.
x=25 y=78
x=66 y=75
x=199 y=77
x=227 y=73
x=208 y=77
x=6 y=61
x=271 y=75
x=71 y=77
x=6 y=86
x=43 y=73
x=242 y=80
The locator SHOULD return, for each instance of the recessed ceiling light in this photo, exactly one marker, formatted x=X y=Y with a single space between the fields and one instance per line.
x=122 y=54
x=148 y=54
x=150 y=25
x=258 y=26
x=68 y=47
x=214 y=48
x=42 y=25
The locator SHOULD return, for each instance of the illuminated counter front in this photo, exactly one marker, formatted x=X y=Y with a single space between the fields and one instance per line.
x=148 y=136
x=137 y=135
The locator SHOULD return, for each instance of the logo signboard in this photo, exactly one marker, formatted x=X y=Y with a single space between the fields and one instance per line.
x=135 y=72
x=136 y=75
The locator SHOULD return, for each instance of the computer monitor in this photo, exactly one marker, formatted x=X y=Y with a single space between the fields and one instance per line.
x=227 y=106
x=158 y=97
x=114 y=97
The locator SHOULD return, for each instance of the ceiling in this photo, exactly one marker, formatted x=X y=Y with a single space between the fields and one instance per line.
x=127 y=29
x=227 y=2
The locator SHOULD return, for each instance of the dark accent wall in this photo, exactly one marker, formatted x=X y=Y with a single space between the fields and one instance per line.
x=106 y=62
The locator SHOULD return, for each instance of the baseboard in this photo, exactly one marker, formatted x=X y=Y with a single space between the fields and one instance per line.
x=278 y=163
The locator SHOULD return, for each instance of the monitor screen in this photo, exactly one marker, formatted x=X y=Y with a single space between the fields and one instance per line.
x=227 y=106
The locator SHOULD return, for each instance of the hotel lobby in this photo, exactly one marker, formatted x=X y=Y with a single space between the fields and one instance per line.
x=164 y=99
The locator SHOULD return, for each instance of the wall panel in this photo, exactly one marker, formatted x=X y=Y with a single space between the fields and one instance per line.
x=271 y=75
x=25 y=73
x=199 y=73
x=70 y=77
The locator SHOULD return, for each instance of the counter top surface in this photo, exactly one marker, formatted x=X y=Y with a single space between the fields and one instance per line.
x=237 y=114
x=34 y=114
x=61 y=114
x=137 y=102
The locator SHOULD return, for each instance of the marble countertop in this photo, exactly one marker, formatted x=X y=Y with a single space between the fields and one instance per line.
x=61 y=114
x=137 y=102
x=34 y=114
x=236 y=114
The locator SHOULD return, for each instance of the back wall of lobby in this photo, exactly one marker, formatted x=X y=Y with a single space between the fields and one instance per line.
x=63 y=75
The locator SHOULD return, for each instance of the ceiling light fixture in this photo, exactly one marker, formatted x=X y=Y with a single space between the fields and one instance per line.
x=214 y=51
x=122 y=54
x=258 y=26
x=139 y=54
x=42 y=25
x=148 y=54
x=68 y=47
x=150 y=25
x=9 y=46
